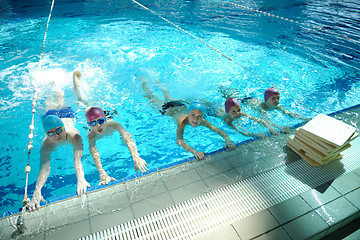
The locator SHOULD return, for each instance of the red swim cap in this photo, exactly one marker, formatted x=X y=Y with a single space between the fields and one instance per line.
x=269 y=92
x=230 y=102
x=94 y=113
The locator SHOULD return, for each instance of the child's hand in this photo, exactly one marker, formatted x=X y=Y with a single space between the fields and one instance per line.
x=230 y=145
x=199 y=155
x=260 y=135
x=273 y=131
x=105 y=179
x=82 y=185
x=140 y=164
x=285 y=129
x=35 y=202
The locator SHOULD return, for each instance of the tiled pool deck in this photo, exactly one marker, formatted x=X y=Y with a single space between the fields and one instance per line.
x=313 y=214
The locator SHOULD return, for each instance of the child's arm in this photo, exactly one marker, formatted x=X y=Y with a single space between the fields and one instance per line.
x=76 y=141
x=260 y=135
x=180 y=140
x=229 y=144
x=264 y=123
x=104 y=178
x=45 y=153
x=229 y=122
x=292 y=114
x=139 y=163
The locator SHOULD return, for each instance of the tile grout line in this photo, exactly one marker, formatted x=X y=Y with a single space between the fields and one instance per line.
x=197 y=213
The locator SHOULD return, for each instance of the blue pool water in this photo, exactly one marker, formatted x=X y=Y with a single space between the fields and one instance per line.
x=111 y=42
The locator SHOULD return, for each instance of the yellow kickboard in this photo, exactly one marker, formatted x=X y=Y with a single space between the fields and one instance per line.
x=308 y=159
x=320 y=146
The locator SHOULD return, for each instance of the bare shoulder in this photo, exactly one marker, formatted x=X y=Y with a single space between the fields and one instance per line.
x=111 y=123
x=72 y=133
x=114 y=126
x=183 y=120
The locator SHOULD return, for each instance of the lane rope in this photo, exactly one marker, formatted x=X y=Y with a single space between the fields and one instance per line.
x=294 y=21
x=224 y=55
x=20 y=223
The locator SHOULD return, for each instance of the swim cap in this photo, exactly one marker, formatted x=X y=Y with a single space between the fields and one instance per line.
x=51 y=121
x=94 y=113
x=230 y=102
x=269 y=92
x=196 y=105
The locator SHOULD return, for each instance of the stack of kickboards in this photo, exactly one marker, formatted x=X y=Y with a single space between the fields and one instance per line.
x=322 y=140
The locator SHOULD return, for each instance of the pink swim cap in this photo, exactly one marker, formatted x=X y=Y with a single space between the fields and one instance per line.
x=269 y=92
x=94 y=113
x=230 y=102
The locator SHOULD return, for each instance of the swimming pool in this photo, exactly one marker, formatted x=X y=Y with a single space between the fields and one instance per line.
x=112 y=42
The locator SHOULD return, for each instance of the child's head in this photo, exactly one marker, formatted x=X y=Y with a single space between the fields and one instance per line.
x=272 y=97
x=95 y=118
x=54 y=128
x=232 y=107
x=196 y=111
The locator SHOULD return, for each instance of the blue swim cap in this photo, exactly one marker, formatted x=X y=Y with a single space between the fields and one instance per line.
x=196 y=105
x=51 y=121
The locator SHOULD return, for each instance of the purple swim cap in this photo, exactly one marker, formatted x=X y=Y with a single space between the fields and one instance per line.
x=269 y=92
x=230 y=102
x=94 y=113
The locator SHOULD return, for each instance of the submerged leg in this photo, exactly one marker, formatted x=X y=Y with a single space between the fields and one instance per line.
x=77 y=86
x=58 y=102
x=165 y=91
x=153 y=98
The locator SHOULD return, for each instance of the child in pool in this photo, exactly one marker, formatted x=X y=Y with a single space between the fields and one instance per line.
x=272 y=100
x=183 y=116
x=100 y=127
x=194 y=118
x=233 y=112
x=59 y=128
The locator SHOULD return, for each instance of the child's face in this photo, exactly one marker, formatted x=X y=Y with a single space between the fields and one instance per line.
x=57 y=137
x=195 y=117
x=100 y=126
x=235 y=111
x=274 y=100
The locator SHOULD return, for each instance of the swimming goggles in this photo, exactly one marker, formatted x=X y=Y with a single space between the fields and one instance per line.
x=57 y=131
x=99 y=121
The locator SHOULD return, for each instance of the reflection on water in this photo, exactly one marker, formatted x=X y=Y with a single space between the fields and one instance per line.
x=111 y=41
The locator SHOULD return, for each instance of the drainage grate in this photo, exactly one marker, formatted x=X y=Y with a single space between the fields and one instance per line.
x=211 y=211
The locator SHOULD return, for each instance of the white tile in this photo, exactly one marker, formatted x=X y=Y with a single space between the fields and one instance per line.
x=71 y=231
x=187 y=192
x=225 y=233
x=213 y=168
x=104 y=221
x=181 y=178
x=255 y=225
x=276 y=234
x=152 y=204
x=346 y=183
x=222 y=179
x=143 y=188
x=107 y=200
